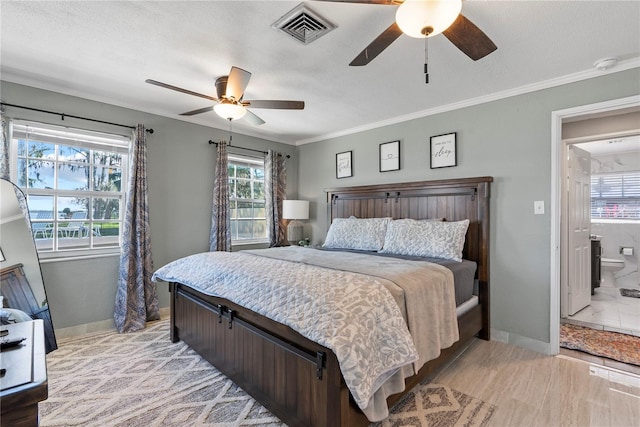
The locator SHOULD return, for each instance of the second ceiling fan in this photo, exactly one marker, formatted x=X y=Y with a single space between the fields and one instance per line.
x=229 y=103
x=427 y=18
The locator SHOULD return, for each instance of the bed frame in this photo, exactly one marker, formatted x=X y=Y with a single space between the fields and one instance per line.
x=297 y=379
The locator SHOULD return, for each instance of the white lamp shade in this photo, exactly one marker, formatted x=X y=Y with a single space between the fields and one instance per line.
x=295 y=209
x=413 y=16
x=229 y=110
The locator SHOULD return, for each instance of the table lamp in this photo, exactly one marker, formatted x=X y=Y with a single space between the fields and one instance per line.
x=295 y=210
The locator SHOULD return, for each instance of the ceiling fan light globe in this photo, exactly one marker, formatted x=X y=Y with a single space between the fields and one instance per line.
x=229 y=110
x=413 y=16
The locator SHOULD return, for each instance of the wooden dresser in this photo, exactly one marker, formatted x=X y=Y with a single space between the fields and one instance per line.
x=24 y=383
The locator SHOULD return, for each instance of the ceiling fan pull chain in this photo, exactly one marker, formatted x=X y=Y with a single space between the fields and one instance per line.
x=426 y=60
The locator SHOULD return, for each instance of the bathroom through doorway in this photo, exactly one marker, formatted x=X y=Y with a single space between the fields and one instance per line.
x=610 y=136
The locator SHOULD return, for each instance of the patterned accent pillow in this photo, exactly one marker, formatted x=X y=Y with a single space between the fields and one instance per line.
x=365 y=234
x=432 y=239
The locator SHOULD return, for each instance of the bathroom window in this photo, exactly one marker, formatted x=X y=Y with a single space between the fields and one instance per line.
x=615 y=196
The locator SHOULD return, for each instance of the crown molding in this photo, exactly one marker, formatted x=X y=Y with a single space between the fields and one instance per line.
x=545 y=84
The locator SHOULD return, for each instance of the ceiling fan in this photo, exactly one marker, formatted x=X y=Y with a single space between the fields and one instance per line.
x=427 y=18
x=229 y=103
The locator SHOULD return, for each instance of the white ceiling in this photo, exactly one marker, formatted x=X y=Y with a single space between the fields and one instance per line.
x=104 y=50
x=626 y=144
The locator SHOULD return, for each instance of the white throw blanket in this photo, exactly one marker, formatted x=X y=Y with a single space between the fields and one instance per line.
x=353 y=314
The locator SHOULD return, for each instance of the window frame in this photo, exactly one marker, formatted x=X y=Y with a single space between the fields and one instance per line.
x=93 y=141
x=246 y=160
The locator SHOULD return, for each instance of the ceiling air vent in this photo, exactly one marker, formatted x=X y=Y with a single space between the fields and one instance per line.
x=303 y=24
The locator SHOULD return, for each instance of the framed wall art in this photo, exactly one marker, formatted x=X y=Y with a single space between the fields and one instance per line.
x=344 y=168
x=390 y=156
x=443 y=151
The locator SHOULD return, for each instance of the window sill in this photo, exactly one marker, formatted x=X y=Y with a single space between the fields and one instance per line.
x=253 y=244
x=249 y=242
x=615 y=221
x=61 y=256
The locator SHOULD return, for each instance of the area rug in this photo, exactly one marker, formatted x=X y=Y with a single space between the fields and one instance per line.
x=142 y=379
x=613 y=345
x=634 y=293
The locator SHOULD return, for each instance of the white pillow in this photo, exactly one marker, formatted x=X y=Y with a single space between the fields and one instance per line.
x=433 y=239
x=365 y=234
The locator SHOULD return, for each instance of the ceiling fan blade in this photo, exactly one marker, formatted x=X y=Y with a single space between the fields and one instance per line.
x=252 y=119
x=282 y=105
x=469 y=39
x=374 y=49
x=179 y=89
x=237 y=83
x=198 y=111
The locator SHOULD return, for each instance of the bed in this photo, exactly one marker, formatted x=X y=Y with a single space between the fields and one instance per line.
x=297 y=375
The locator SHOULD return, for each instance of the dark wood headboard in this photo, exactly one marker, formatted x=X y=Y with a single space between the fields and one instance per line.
x=452 y=199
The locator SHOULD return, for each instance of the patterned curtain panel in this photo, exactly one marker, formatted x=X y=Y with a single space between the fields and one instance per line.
x=275 y=177
x=4 y=147
x=136 y=299
x=22 y=202
x=220 y=239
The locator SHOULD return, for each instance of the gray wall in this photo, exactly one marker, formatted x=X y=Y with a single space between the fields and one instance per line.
x=509 y=139
x=180 y=167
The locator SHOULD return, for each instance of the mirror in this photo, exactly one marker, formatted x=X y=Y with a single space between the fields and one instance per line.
x=21 y=284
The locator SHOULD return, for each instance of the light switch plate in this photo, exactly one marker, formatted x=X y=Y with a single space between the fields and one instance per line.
x=538 y=207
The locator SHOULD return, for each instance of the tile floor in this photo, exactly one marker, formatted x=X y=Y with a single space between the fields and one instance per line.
x=535 y=390
x=610 y=311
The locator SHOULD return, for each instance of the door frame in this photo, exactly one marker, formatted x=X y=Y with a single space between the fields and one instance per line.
x=557 y=164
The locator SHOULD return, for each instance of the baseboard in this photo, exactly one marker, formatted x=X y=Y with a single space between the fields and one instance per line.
x=522 y=341
x=101 y=326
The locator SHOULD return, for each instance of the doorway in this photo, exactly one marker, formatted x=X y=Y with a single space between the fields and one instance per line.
x=559 y=246
x=608 y=212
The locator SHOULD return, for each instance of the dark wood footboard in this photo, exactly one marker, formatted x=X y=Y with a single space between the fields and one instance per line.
x=298 y=380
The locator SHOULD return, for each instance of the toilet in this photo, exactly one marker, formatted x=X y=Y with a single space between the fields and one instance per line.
x=609 y=266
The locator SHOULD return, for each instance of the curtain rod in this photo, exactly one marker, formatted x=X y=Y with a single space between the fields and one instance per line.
x=250 y=149
x=63 y=115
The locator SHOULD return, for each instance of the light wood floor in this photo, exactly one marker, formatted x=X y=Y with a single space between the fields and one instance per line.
x=533 y=389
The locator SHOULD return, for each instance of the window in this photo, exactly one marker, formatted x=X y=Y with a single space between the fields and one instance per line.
x=75 y=182
x=247 y=199
x=615 y=196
